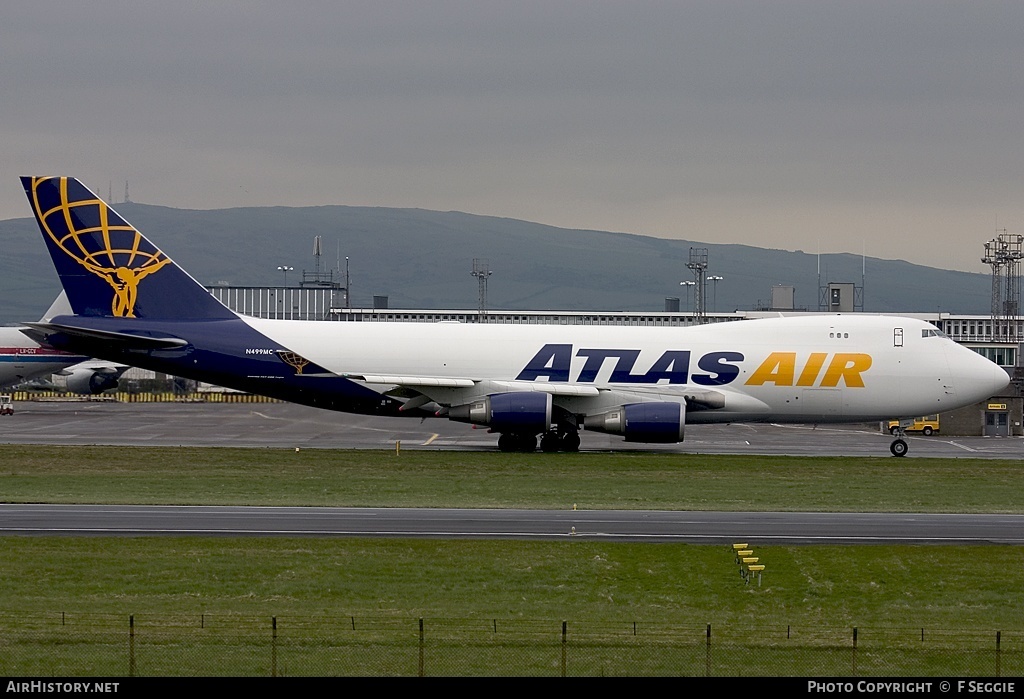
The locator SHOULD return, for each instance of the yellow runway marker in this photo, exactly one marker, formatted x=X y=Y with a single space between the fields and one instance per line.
x=432 y=438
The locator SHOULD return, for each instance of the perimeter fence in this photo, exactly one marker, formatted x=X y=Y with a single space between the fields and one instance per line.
x=142 y=397
x=81 y=645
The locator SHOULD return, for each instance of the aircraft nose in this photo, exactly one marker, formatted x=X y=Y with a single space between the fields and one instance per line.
x=976 y=376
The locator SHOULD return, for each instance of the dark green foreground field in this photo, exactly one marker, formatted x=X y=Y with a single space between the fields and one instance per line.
x=615 y=480
x=903 y=590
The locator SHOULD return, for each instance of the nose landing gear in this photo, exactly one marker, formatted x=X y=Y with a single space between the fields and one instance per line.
x=899 y=445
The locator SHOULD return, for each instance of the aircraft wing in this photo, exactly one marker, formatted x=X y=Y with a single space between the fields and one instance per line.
x=414 y=381
x=427 y=382
x=449 y=391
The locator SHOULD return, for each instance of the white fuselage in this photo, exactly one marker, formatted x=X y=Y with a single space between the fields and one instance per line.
x=22 y=359
x=816 y=368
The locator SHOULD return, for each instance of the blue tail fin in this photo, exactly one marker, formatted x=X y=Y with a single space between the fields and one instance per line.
x=106 y=266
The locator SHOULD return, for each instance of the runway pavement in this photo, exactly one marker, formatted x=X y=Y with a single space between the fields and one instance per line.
x=605 y=525
x=288 y=425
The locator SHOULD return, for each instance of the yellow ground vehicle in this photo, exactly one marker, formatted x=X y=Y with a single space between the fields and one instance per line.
x=925 y=425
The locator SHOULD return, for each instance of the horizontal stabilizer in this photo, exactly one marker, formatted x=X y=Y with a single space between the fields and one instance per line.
x=123 y=341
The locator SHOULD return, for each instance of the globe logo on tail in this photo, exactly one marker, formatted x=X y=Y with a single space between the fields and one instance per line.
x=97 y=238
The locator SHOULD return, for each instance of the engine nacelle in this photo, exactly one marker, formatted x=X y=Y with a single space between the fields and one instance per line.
x=663 y=423
x=526 y=412
x=91 y=381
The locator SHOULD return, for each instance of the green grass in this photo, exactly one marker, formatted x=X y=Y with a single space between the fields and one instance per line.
x=351 y=606
x=209 y=600
x=474 y=479
x=843 y=586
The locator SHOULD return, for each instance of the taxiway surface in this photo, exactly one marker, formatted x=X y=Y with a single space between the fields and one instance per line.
x=289 y=425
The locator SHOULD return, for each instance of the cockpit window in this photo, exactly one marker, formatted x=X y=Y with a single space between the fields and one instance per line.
x=932 y=332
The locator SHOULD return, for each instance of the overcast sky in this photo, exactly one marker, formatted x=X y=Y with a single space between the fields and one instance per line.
x=887 y=127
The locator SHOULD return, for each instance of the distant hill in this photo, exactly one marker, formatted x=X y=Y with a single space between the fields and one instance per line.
x=423 y=259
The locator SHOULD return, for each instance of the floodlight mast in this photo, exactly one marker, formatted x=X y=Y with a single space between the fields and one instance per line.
x=698 y=264
x=481 y=270
x=1003 y=254
x=714 y=279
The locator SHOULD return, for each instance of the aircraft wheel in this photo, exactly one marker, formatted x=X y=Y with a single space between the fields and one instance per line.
x=527 y=442
x=899 y=448
x=571 y=441
x=550 y=442
x=507 y=441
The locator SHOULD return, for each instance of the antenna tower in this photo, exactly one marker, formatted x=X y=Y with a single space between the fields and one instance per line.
x=318 y=277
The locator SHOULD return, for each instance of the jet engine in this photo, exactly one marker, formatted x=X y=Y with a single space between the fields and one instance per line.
x=523 y=412
x=642 y=422
x=92 y=380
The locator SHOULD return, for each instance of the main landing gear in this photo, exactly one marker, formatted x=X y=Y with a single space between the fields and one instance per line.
x=899 y=445
x=517 y=441
x=550 y=441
